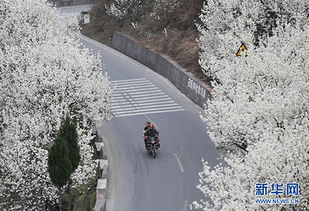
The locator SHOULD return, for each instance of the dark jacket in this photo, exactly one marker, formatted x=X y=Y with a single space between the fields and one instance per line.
x=151 y=132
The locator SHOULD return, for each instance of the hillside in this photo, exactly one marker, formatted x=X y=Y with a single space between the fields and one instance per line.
x=167 y=27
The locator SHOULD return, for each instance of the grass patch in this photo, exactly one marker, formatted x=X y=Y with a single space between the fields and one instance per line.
x=82 y=199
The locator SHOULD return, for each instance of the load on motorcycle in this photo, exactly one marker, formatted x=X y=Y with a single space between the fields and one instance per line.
x=151 y=137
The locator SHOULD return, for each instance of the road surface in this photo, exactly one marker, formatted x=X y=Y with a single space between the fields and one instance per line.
x=138 y=182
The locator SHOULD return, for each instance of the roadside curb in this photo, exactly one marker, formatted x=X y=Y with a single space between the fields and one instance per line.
x=102 y=183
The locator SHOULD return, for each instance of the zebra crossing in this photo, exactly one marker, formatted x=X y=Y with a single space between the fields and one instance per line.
x=140 y=96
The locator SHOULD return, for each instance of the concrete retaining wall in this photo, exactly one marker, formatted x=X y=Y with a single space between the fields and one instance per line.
x=192 y=87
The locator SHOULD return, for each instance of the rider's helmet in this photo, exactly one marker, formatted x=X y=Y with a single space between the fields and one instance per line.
x=151 y=126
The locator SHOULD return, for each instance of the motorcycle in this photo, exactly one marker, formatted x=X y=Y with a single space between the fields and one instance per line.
x=152 y=145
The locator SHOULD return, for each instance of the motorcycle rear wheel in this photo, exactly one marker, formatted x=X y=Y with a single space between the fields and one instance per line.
x=153 y=153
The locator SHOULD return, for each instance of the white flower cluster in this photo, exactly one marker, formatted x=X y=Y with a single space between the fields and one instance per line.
x=259 y=110
x=44 y=76
x=120 y=8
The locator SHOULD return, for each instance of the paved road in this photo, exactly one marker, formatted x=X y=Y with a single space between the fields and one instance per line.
x=139 y=182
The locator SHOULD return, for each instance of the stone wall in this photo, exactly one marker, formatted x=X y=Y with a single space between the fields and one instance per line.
x=192 y=87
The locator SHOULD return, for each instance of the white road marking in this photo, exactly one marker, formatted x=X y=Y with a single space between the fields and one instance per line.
x=121 y=100
x=142 y=89
x=140 y=96
x=158 y=94
x=130 y=84
x=157 y=99
x=117 y=97
x=150 y=91
x=154 y=99
x=144 y=95
x=129 y=80
x=143 y=104
x=179 y=162
x=141 y=107
x=152 y=109
x=128 y=91
x=134 y=87
x=150 y=112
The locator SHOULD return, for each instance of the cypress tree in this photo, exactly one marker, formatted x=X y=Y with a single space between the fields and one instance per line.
x=59 y=164
x=69 y=133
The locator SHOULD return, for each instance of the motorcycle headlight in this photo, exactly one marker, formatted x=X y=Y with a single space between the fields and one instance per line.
x=153 y=142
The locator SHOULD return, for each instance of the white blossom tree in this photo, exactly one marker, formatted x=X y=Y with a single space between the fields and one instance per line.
x=263 y=90
x=227 y=24
x=259 y=110
x=270 y=161
x=44 y=76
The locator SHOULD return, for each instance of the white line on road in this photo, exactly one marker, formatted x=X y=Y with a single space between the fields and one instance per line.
x=179 y=162
x=152 y=109
x=129 y=80
x=141 y=89
x=134 y=87
x=128 y=84
x=143 y=95
x=150 y=91
x=133 y=96
x=157 y=99
x=117 y=97
x=141 y=100
x=122 y=100
x=142 y=104
x=116 y=94
x=150 y=112
x=146 y=98
x=141 y=107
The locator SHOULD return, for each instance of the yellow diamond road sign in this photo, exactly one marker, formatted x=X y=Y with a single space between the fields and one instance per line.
x=242 y=50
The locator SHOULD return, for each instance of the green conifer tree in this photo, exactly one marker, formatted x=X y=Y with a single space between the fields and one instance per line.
x=69 y=133
x=59 y=164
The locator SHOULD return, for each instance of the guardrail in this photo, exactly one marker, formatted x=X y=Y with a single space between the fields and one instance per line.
x=189 y=85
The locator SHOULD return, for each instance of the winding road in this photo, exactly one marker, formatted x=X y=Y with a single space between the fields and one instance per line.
x=137 y=181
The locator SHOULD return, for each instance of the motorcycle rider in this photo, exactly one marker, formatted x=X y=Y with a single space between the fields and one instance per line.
x=146 y=127
x=151 y=131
